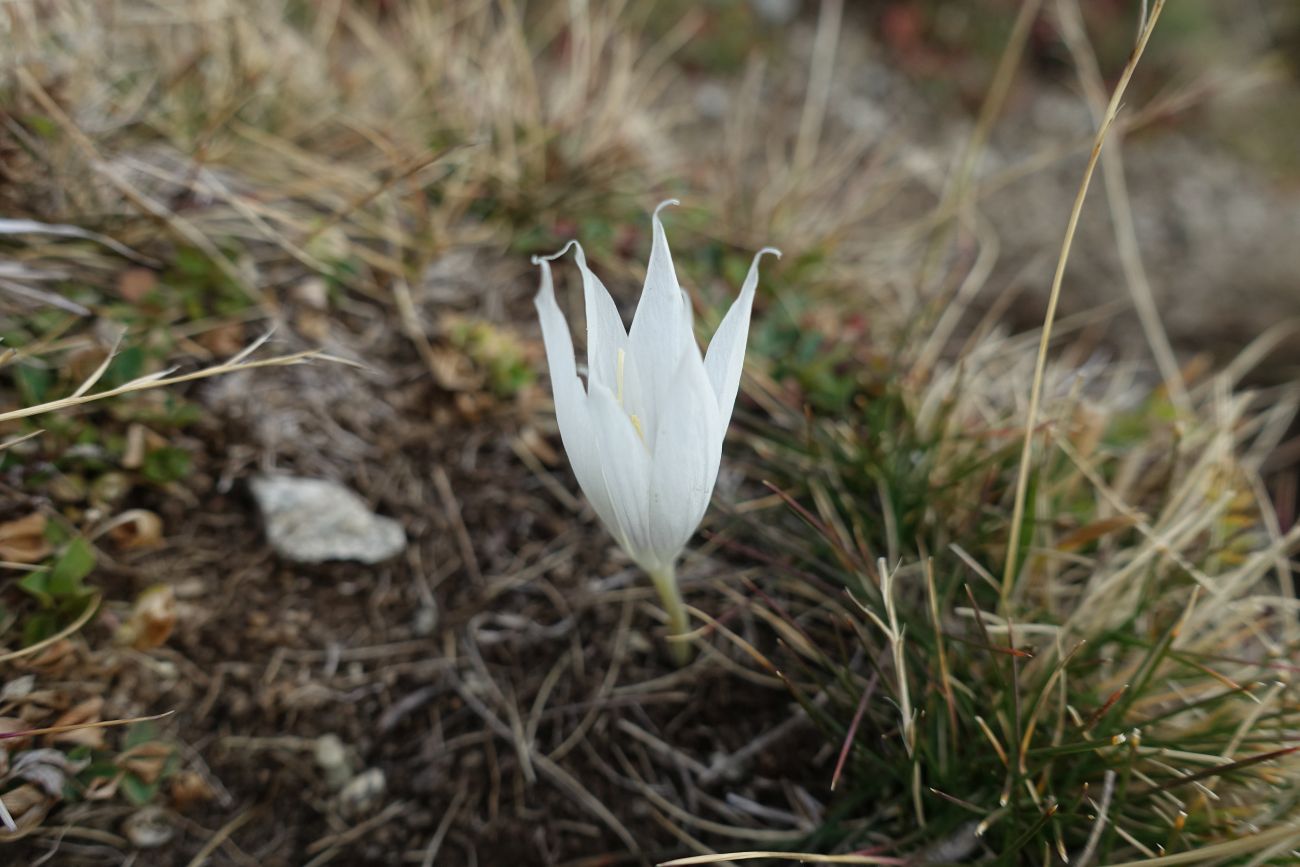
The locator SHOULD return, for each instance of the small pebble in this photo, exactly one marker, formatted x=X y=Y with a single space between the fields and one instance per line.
x=332 y=758
x=148 y=828
x=363 y=793
x=776 y=11
x=426 y=621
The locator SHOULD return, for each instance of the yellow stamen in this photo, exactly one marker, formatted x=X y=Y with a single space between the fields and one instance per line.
x=618 y=376
x=618 y=384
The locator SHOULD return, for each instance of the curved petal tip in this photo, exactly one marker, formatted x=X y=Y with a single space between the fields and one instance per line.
x=665 y=203
x=753 y=265
x=537 y=260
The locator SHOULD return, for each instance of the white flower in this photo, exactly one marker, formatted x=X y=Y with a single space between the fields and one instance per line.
x=644 y=436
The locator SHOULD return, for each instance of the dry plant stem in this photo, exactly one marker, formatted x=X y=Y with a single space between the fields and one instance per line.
x=1070 y=17
x=146 y=382
x=1040 y=364
x=679 y=623
x=819 y=83
x=82 y=619
x=800 y=857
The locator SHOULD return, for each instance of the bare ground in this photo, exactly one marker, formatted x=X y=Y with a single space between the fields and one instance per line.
x=500 y=691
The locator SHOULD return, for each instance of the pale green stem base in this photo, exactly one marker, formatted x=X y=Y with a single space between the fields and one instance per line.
x=670 y=595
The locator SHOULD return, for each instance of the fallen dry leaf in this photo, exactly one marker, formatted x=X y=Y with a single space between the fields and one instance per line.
x=151 y=621
x=53 y=660
x=189 y=788
x=10 y=724
x=28 y=805
x=46 y=768
x=103 y=788
x=23 y=540
x=88 y=711
x=136 y=528
x=146 y=761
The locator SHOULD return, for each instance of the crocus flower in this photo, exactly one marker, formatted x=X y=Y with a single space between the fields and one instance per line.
x=644 y=436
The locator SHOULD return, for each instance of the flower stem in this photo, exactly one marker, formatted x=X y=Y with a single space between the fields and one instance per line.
x=665 y=581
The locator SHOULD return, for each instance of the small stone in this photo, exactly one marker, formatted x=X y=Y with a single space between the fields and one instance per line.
x=426 y=621
x=363 y=793
x=148 y=828
x=332 y=758
x=776 y=11
x=314 y=520
x=313 y=292
x=731 y=770
x=637 y=642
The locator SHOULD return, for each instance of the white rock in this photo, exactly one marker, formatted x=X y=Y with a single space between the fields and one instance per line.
x=313 y=520
x=332 y=758
x=776 y=11
x=363 y=793
x=148 y=828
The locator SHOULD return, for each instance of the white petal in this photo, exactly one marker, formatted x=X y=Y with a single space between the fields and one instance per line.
x=625 y=463
x=609 y=360
x=688 y=449
x=657 y=337
x=606 y=336
x=726 y=355
x=571 y=403
x=555 y=328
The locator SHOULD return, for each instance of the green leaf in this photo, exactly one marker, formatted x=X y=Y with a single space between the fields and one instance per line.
x=137 y=791
x=71 y=569
x=55 y=533
x=1027 y=525
x=125 y=366
x=43 y=125
x=193 y=263
x=39 y=627
x=167 y=464
x=33 y=383
x=140 y=733
x=38 y=585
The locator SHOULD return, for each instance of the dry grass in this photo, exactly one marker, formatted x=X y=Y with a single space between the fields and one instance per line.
x=1148 y=636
